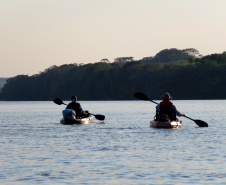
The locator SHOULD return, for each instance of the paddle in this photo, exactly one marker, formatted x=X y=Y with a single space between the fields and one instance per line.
x=60 y=102
x=200 y=123
x=142 y=96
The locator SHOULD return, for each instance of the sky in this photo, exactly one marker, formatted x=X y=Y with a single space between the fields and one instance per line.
x=37 y=34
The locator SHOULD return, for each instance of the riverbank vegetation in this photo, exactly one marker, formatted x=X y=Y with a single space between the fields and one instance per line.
x=185 y=74
x=2 y=82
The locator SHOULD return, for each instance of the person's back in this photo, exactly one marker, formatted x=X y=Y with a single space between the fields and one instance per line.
x=75 y=106
x=166 y=107
x=166 y=110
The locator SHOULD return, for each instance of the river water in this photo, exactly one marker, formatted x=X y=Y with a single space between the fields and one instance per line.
x=124 y=149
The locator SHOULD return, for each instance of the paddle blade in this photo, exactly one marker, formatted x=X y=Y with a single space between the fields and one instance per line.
x=201 y=123
x=99 y=117
x=58 y=101
x=141 y=96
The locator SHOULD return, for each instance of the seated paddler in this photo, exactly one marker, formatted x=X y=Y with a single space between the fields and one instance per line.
x=165 y=110
x=74 y=105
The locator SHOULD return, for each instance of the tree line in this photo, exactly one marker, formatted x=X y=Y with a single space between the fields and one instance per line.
x=192 y=77
x=2 y=82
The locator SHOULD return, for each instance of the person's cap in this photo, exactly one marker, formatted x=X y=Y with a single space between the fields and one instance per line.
x=166 y=96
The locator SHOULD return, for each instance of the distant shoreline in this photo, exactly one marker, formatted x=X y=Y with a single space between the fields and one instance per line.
x=2 y=83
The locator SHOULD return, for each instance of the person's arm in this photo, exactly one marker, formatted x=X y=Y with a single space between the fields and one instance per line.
x=82 y=111
x=69 y=106
x=80 y=107
x=178 y=113
x=158 y=106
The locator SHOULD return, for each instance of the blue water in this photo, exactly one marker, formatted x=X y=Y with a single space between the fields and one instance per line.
x=37 y=149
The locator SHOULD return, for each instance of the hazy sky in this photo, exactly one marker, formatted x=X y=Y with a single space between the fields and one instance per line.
x=36 y=34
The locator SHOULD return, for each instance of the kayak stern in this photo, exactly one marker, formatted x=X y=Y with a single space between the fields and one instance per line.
x=171 y=124
x=77 y=121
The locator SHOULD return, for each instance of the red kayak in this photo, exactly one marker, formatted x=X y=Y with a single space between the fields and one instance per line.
x=171 y=124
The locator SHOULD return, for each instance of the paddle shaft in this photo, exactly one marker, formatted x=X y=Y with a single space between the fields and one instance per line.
x=152 y=101
x=189 y=118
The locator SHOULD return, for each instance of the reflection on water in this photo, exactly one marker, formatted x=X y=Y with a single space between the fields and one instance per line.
x=37 y=149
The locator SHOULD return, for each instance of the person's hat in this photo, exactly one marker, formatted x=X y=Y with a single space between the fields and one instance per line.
x=166 y=96
x=74 y=98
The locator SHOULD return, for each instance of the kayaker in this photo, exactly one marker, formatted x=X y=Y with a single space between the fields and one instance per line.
x=76 y=107
x=166 y=107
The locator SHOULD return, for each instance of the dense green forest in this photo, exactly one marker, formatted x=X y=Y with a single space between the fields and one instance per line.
x=185 y=74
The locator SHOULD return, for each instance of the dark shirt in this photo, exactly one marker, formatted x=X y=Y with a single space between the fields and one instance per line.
x=76 y=107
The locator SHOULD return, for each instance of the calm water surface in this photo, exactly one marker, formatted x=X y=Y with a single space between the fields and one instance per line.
x=37 y=149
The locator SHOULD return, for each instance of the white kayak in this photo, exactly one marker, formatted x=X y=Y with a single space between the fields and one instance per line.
x=86 y=120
